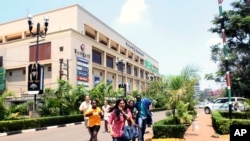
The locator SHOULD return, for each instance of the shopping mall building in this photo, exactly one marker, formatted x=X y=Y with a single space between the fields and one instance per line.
x=78 y=47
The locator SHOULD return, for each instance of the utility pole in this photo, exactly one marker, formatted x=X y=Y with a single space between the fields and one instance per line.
x=60 y=69
x=225 y=50
x=67 y=69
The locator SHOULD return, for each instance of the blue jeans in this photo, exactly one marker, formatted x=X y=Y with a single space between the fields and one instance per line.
x=142 y=128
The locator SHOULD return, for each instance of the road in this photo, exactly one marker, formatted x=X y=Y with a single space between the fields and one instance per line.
x=69 y=133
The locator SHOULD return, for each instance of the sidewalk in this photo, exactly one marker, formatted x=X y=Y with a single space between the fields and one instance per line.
x=202 y=132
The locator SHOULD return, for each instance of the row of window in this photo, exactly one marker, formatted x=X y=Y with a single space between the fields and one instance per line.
x=97 y=58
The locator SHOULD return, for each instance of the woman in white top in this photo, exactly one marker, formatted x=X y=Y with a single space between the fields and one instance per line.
x=105 y=109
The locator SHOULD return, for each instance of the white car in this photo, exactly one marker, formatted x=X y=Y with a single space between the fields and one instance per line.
x=225 y=107
x=215 y=105
x=201 y=105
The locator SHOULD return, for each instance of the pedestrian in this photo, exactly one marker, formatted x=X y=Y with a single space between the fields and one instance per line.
x=134 y=111
x=131 y=123
x=117 y=119
x=105 y=109
x=144 y=107
x=94 y=113
x=236 y=106
x=83 y=108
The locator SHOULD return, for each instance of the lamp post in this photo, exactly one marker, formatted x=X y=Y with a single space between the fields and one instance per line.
x=38 y=34
x=121 y=64
x=225 y=49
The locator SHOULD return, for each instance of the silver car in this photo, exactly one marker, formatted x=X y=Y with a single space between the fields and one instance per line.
x=215 y=105
x=225 y=107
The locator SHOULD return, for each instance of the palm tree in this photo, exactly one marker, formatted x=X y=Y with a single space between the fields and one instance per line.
x=181 y=87
x=102 y=91
x=62 y=93
x=3 y=110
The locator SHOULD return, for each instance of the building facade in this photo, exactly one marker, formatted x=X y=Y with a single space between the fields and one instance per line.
x=78 y=47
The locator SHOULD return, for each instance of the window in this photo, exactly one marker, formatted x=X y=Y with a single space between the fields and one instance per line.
x=141 y=73
x=24 y=72
x=49 y=68
x=44 y=52
x=10 y=73
x=97 y=57
x=1 y=61
x=61 y=49
x=128 y=69
x=109 y=62
x=135 y=72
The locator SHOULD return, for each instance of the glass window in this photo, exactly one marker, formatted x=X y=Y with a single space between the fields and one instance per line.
x=44 y=52
x=1 y=61
x=109 y=62
x=141 y=73
x=135 y=72
x=97 y=57
x=128 y=69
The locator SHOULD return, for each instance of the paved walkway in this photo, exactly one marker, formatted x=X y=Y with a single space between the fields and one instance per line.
x=203 y=131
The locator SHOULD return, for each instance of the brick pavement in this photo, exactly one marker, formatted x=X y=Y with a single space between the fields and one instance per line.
x=203 y=131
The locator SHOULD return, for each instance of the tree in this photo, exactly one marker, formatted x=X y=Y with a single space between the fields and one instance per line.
x=237 y=29
x=181 y=88
x=3 y=109
x=102 y=91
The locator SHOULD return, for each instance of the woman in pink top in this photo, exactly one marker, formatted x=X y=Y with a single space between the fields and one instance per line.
x=117 y=119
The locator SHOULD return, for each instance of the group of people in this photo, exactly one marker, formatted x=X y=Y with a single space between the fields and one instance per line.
x=134 y=114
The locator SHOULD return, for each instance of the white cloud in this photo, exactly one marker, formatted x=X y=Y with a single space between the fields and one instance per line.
x=132 y=11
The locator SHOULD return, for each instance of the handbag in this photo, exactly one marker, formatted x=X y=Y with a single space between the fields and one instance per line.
x=129 y=132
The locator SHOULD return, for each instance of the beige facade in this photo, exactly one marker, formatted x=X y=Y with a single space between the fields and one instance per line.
x=88 y=48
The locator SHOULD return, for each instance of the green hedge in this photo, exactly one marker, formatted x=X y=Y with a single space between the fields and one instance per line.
x=21 y=124
x=169 y=131
x=222 y=124
x=169 y=128
x=16 y=125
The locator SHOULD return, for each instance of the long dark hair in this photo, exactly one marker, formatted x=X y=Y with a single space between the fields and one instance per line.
x=116 y=108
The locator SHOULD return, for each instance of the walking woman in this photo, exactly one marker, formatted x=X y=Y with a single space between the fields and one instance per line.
x=94 y=122
x=134 y=112
x=117 y=119
x=105 y=109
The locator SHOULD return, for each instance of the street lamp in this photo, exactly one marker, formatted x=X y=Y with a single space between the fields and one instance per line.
x=38 y=34
x=151 y=77
x=121 y=64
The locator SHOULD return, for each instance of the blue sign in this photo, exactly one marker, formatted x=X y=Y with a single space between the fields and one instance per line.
x=82 y=60
x=83 y=68
x=82 y=73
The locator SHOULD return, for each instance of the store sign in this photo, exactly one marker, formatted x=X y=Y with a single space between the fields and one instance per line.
x=134 y=49
x=81 y=52
x=35 y=78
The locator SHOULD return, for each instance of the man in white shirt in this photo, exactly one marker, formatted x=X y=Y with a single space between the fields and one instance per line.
x=83 y=108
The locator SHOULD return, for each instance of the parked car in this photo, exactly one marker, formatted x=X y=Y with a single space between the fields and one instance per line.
x=225 y=107
x=201 y=105
x=215 y=105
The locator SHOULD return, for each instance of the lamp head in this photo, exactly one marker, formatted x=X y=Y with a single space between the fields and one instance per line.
x=46 y=23
x=30 y=22
x=29 y=17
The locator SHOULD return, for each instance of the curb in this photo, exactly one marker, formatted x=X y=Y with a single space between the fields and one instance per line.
x=39 y=129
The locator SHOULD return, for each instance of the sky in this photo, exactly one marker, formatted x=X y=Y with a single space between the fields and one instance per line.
x=175 y=33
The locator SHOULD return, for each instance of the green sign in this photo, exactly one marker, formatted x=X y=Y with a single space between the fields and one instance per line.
x=2 y=79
